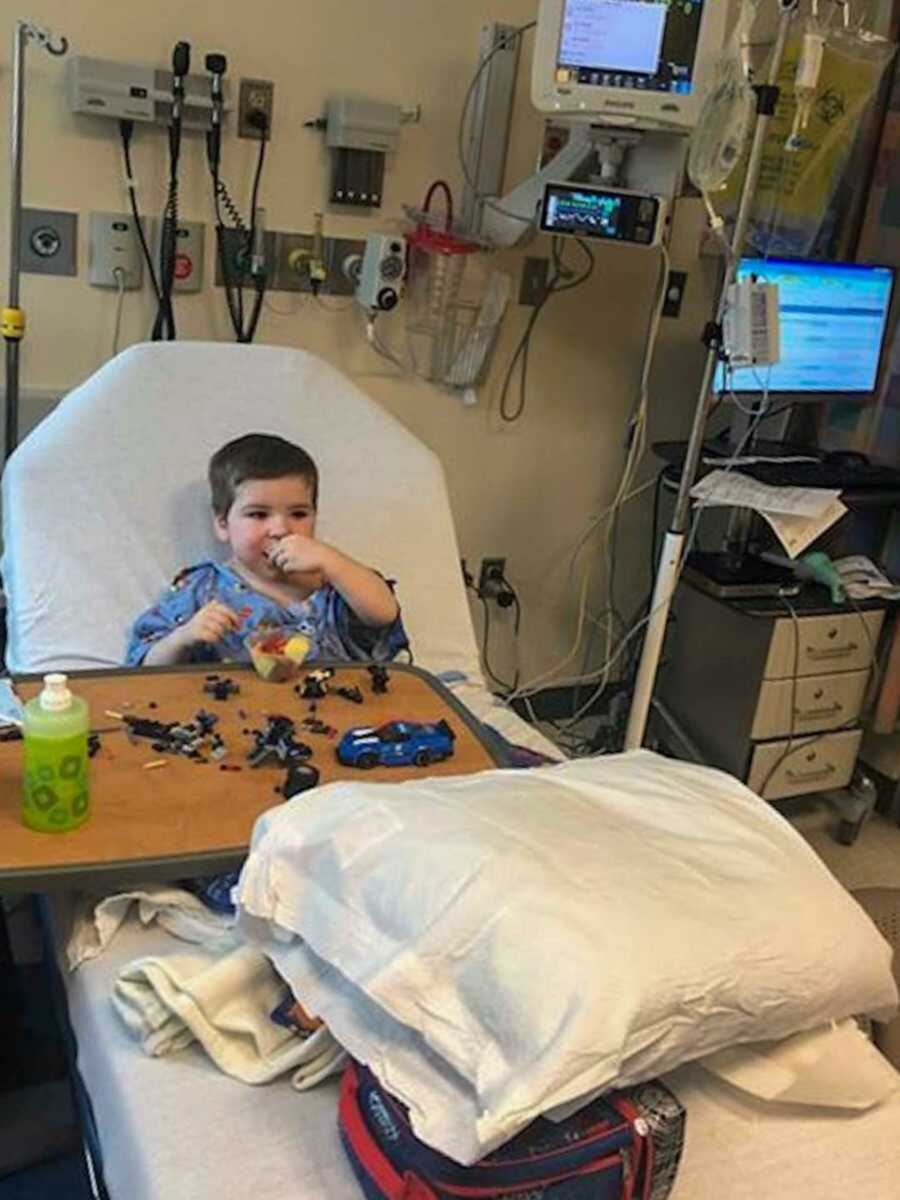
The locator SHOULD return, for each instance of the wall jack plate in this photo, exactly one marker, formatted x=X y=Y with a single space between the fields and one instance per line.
x=256 y=96
x=114 y=252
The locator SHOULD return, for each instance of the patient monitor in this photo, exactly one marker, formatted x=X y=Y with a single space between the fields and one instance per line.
x=625 y=79
x=638 y=62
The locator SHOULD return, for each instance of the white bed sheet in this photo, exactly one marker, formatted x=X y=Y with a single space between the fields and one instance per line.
x=179 y=1128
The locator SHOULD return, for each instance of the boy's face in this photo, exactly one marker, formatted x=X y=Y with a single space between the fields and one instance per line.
x=263 y=511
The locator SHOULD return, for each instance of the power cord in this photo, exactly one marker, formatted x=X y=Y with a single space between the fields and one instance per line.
x=120 y=284
x=562 y=280
x=499 y=590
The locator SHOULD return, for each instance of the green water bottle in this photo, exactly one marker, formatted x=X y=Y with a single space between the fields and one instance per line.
x=56 y=729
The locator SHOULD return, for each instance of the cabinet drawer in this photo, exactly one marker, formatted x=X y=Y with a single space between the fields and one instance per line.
x=813 y=765
x=824 y=645
x=820 y=702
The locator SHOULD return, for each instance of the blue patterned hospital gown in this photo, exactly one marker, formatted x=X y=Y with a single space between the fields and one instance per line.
x=324 y=617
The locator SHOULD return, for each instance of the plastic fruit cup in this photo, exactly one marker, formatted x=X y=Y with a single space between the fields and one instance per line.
x=277 y=654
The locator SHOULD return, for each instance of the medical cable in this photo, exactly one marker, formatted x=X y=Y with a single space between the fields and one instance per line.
x=217 y=64
x=523 y=348
x=640 y=418
x=379 y=347
x=251 y=241
x=608 y=665
x=503 y=44
x=120 y=283
x=256 y=240
x=635 y=452
x=164 y=325
x=126 y=131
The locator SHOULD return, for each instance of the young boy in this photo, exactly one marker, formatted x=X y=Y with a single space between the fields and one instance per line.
x=264 y=495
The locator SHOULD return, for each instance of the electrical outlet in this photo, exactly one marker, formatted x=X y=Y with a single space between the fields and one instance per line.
x=533 y=288
x=675 y=289
x=490 y=576
x=255 y=107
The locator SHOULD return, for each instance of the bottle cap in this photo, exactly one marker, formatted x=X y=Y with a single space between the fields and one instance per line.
x=56 y=696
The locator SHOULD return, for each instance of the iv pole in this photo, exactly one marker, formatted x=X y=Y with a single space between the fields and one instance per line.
x=672 y=553
x=12 y=317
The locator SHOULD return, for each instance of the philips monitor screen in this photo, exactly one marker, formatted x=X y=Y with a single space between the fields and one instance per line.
x=630 y=43
x=833 y=319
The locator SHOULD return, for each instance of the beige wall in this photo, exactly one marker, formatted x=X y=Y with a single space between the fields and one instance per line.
x=524 y=492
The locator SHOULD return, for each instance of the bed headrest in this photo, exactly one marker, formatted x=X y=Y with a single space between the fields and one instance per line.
x=107 y=498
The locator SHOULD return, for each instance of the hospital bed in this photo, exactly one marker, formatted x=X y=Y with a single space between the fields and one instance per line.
x=101 y=506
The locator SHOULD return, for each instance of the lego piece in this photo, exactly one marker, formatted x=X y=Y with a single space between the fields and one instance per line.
x=315 y=684
x=93 y=744
x=278 y=740
x=379 y=677
x=220 y=688
x=300 y=778
x=314 y=725
x=143 y=727
x=353 y=694
x=155 y=764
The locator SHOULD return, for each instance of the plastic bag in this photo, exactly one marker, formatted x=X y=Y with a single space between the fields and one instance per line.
x=796 y=186
x=724 y=123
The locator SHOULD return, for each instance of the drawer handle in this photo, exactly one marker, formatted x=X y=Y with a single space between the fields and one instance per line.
x=830 y=710
x=821 y=773
x=833 y=652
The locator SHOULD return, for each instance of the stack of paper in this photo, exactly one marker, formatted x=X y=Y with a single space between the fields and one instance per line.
x=797 y=515
x=862 y=580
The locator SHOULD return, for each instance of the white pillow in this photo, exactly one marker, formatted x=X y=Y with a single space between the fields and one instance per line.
x=550 y=932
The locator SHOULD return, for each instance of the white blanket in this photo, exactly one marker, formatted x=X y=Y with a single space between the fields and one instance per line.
x=96 y=922
x=224 y=1003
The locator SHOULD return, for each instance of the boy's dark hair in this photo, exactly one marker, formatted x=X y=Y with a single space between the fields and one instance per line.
x=256 y=456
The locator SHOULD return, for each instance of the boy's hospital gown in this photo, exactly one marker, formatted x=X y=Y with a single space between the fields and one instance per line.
x=325 y=618
x=334 y=630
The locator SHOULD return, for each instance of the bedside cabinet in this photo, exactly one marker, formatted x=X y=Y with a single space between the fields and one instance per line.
x=773 y=701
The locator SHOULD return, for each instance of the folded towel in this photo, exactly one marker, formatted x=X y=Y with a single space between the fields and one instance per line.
x=224 y=1002
x=96 y=922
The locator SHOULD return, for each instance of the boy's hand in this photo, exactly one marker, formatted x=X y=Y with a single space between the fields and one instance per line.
x=210 y=624
x=296 y=554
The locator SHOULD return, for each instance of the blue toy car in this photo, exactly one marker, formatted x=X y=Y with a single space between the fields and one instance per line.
x=396 y=744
